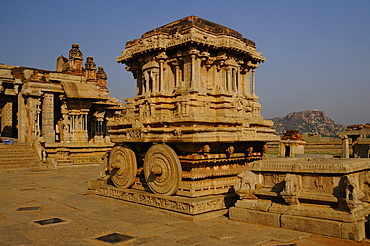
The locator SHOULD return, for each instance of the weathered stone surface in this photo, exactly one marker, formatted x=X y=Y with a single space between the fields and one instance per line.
x=312 y=225
x=353 y=231
x=253 y=216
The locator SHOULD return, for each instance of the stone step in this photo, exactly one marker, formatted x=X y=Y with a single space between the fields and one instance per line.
x=12 y=156
x=20 y=160
x=19 y=157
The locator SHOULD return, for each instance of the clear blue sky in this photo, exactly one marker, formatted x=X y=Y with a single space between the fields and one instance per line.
x=317 y=51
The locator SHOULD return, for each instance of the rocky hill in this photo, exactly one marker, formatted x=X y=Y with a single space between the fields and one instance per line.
x=309 y=121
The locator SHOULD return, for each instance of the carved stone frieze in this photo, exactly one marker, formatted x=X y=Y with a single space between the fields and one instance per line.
x=189 y=206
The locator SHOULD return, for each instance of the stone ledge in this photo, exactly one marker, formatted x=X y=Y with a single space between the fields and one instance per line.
x=354 y=230
x=253 y=216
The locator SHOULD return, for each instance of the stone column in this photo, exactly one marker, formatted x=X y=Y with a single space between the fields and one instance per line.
x=177 y=76
x=247 y=84
x=48 y=118
x=33 y=111
x=192 y=81
x=161 y=75
x=7 y=120
x=345 y=147
x=253 y=82
x=195 y=69
x=22 y=120
x=238 y=83
x=227 y=80
x=234 y=78
x=187 y=73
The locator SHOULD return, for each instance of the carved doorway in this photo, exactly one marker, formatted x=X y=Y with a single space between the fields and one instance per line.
x=287 y=151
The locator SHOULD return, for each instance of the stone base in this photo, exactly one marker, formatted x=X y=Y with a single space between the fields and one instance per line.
x=353 y=230
x=180 y=205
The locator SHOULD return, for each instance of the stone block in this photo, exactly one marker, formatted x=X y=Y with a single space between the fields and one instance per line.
x=263 y=205
x=256 y=217
x=248 y=204
x=353 y=231
x=93 y=184
x=312 y=225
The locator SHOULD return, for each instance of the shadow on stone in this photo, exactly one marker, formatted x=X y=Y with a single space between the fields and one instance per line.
x=28 y=208
x=115 y=238
x=49 y=221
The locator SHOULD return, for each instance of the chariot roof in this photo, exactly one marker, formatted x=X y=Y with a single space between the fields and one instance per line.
x=190 y=30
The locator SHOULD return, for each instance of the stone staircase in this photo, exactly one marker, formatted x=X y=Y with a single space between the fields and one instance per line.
x=19 y=156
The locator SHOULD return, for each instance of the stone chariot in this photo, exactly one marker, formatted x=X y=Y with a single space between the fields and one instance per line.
x=195 y=122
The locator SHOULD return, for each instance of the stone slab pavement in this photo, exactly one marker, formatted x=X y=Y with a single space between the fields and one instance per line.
x=26 y=197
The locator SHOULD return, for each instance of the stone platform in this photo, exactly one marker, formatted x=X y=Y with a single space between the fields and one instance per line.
x=181 y=205
x=319 y=220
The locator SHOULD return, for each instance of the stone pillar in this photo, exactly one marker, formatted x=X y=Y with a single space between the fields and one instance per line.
x=247 y=84
x=7 y=120
x=192 y=81
x=146 y=82
x=161 y=75
x=234 y=78
x=345 y=147
x=187 y=73
x=253 y=82
x=33 y=111
x=195 y=69
x=177 y=76
x=227 y=80
x=48 y=118
x=238 y=82
x=22 y=119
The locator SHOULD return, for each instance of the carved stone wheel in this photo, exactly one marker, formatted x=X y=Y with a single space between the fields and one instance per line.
x=162 y=169
x=122 y=167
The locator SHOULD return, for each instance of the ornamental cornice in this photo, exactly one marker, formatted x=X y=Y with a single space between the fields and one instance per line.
x=67 y=77
x=45 y=87
x=163 y=42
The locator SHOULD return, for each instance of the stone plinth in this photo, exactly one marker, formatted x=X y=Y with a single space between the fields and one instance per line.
x=184 y=205
x=322 y=196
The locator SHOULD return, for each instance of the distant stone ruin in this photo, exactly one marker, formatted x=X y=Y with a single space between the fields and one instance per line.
x=61 y=113
x=358 y=136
